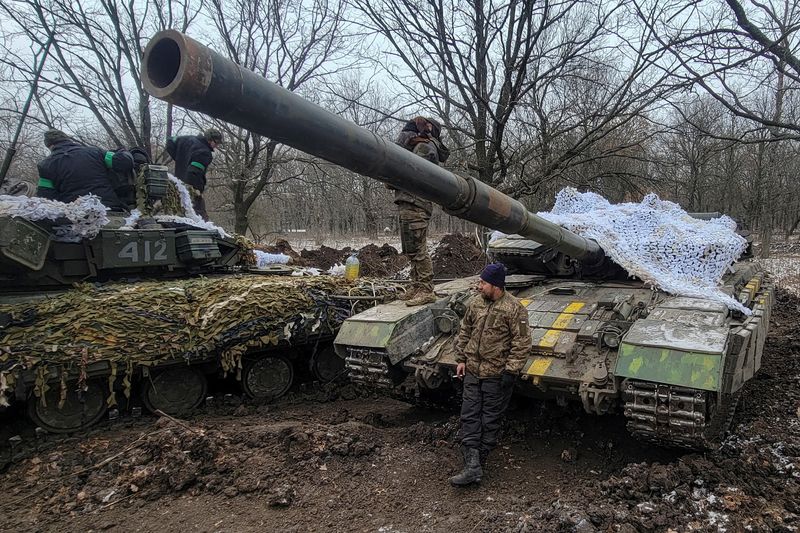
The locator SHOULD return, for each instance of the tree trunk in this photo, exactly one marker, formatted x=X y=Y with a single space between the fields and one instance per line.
x=240 y=209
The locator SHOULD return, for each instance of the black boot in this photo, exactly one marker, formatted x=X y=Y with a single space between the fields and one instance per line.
x=472 y=472
x=483 y=455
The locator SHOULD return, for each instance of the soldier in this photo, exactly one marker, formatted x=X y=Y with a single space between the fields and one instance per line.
x=192 y=155
x=73 y=169
x=491 y=349
x=421 y=136
x=124 y=183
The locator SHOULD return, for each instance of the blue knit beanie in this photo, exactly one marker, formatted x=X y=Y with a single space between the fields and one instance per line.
x=495 y=274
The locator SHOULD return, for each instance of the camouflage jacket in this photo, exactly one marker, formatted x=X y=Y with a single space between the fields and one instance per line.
x=494 y=336
x=425 y=150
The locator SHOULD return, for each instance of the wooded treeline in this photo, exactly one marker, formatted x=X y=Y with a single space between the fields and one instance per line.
x=697 y=101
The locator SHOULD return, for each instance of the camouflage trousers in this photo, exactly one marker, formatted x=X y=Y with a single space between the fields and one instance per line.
x=414 y=241
x=483 y=402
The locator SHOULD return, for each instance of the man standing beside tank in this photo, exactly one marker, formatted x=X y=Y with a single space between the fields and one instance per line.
x=421 y=136
x=73 y=169
x=192 y=155
x=491 y=348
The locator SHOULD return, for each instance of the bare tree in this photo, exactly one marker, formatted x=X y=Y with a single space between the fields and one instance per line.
x=96 y=53
x=734 y=53
x=493 y=72
x=293 y=44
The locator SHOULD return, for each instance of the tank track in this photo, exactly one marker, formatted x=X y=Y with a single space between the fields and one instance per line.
x=369 y=367
x=681 y=417
x=372 y=370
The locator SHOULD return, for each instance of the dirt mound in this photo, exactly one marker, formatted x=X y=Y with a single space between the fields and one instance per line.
x=381 y=262
x=175 y=457
x=454 y=256
x=375 y=261
x=457 y=256
x=324 y=257
x=782 y=248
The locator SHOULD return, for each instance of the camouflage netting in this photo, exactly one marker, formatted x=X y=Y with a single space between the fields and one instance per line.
x=176 y=207
x=656 y=241
x=81 y=219
x=145 y=323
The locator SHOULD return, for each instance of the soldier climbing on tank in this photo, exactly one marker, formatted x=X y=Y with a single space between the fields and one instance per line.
x=492 y=346
x=73 y=169
x=422 y=136
x=192 y=155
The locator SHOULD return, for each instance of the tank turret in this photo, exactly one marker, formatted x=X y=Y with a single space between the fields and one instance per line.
x=35 y=254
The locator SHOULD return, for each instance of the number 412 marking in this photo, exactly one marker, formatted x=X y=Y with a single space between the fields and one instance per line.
x=151 y=251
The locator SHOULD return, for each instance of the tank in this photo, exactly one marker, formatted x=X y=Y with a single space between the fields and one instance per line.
x=144 y=315
x=673 y=365
x=32 y=257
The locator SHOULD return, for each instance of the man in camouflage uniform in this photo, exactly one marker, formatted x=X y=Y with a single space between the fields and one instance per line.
x=421 y=136
x=491 y=348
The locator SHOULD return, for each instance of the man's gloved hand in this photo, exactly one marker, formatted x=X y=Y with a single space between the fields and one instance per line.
x=507 y=379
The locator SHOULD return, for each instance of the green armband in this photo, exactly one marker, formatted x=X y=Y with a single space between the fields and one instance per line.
x=198 y=165
x=45 y=183
x=109 y=159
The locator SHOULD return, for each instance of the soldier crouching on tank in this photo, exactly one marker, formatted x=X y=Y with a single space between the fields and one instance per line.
x=73 y=169
x=192 y=155
x=421 y=136
x=491 y=348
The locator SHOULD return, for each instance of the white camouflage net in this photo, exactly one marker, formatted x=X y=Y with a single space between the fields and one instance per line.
x=265 y=258
x=86 y=215
x=656 y=241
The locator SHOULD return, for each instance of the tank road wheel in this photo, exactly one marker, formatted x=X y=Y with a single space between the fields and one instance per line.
x=175 y=391
x=267 y=378
x=326 y=365
x=80 y=411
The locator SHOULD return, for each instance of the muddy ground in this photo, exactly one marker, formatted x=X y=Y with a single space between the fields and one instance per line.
x=327 y=459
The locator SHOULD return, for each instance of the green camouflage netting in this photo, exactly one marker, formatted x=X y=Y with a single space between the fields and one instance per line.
x=130 y=324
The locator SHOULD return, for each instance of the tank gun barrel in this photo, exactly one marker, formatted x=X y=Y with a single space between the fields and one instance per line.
x=179 y=70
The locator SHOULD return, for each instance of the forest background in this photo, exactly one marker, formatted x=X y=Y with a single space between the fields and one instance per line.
x=696 y=101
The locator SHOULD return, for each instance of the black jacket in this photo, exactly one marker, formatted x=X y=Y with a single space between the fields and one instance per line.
x=192 y=155
x=72 y=170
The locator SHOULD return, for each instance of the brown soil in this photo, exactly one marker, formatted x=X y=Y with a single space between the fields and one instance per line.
x=454 y=256
x=324 y=257
x=380 y=262
x=326 y=460
x=457 y=256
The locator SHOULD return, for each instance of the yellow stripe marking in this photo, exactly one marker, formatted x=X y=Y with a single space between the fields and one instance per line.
x=550 y=338
x=574 y=307
x=525 y=302
x=539 y=366
x=562 y=321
